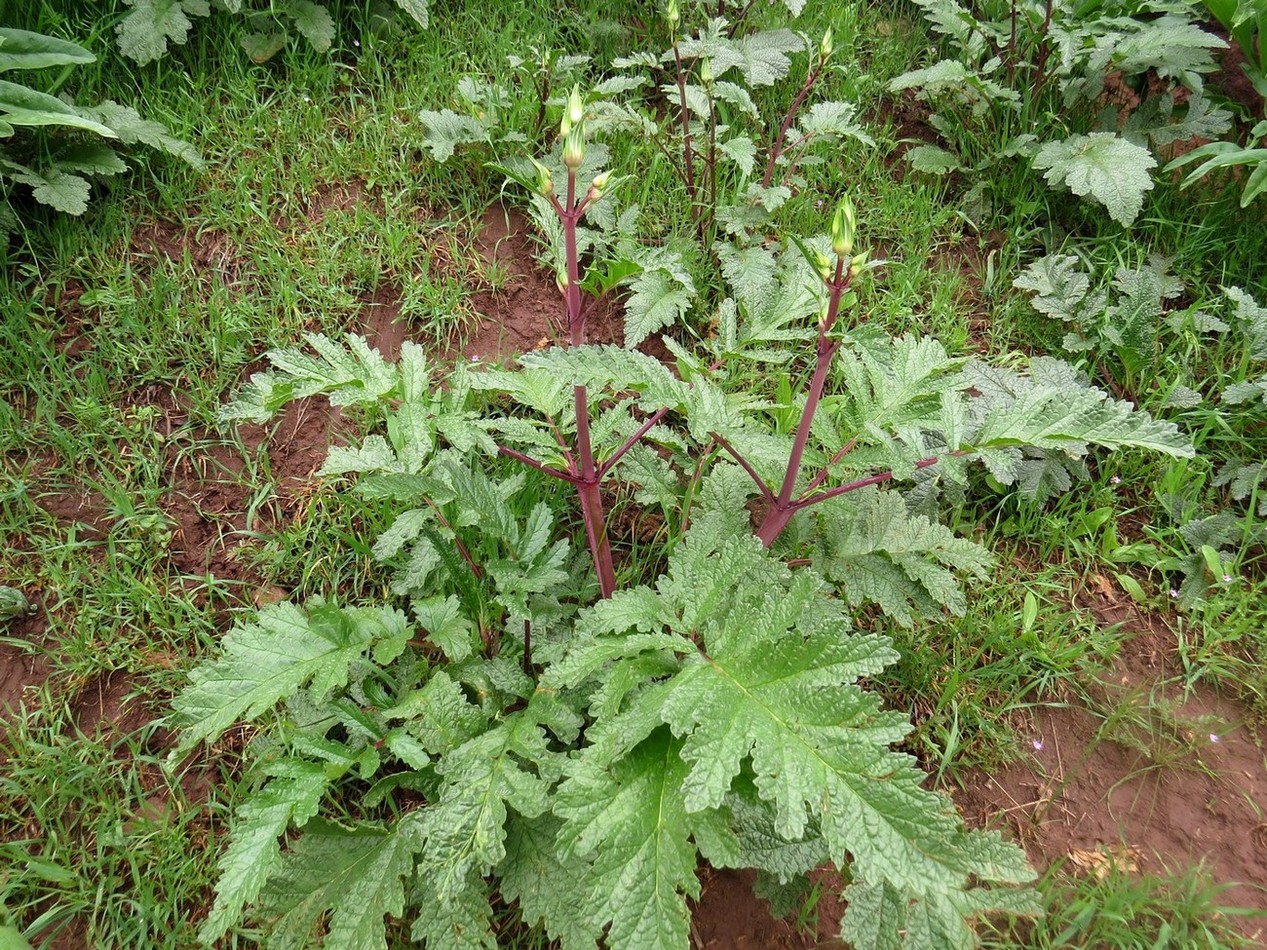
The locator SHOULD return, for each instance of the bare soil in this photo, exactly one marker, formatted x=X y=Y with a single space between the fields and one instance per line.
x=519 y=306
x=1159 y=779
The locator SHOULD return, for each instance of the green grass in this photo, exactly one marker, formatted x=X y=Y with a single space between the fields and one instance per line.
x=120 y=335
x=1115 y=908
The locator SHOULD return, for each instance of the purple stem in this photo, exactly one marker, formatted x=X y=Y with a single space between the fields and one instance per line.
x=588 y=477
x=869 y=480
x=776 y=147
x=781 y=511
x=747 y=467
x=563 y=474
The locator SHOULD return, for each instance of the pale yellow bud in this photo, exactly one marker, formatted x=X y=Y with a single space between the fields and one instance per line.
x=706 y=71
x=576 y=106
x=822 y=265
x=672 y=14
x=826 y=46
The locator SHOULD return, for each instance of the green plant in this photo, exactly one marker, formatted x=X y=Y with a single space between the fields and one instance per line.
x=1115 y=907
x=1029 y=80
x=584 y=755
x=59 y=169
x=1130 y=325
x=145 y=32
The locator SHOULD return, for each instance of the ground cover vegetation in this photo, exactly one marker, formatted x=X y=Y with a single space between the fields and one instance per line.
x=516 y=480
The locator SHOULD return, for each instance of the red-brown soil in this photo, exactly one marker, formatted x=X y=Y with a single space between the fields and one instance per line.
x=1159 y=777
x=519 y=306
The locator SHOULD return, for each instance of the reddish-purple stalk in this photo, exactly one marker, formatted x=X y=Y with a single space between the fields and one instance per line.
x=782 y=509
x=776 y=147
x=688 y=150
x=587 y=479
x=582 y=471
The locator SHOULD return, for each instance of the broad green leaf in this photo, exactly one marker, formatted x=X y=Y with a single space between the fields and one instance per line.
x=503 y=768
x=1110 y=169
x=879 y=552
x=61 y=190
x=291 y=796
x=1056 y=415
x=262 y=47
x=933 y=160
x=742 y=151
x=92 y=158
x=1060 y=285
x=22 y=106
x=549 y=888
x=145 y=32
x=628 y=821
x=761 y=58
x=127 y=124
x=352 y=877
x=461 y=922
x=767 y=686
x=22 y=49
x=269 y=659
x=438 y=715
x=657 y=301
x=314 y=23
x=443 y=131
x=1252 y=319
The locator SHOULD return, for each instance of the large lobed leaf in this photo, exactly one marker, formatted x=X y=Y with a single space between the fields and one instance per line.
x=765 y=684
x=1110 y=169
x=352 y=876
x=269 y=659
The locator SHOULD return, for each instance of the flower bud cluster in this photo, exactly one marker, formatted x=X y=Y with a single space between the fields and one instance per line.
x=572 y=130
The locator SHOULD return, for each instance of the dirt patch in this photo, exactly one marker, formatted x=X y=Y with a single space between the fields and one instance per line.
x=519 y=307
x=208 y=252
x=210 y=502
x=381 y=322
x=110 y=704
x=1232 y=79
x=730 y=917
x=1162 y=777
x=77 y=507
x=22 y=670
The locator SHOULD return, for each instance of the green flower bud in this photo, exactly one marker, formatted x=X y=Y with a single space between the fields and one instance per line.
x=672 y=14
x=822 y=265
x=859 y=264
x=576 y=106
x=825 y=47
x=706 y=71
x=842 y=226
x=599 y=184
x=545 y=180
x=574 y=148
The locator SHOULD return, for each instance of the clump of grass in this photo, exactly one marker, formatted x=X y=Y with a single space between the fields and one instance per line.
x=1116 y=908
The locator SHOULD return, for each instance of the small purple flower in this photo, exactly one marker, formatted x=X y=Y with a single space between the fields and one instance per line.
x=1227 y=578
x=1174 y=594
x=1037 y=744
x=1116 y=479
x=1215 y=737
